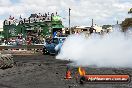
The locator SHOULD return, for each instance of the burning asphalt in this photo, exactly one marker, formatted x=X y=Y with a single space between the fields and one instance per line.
x=40 y=71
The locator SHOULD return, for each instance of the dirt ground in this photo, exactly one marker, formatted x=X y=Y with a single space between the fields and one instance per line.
x=39 y=71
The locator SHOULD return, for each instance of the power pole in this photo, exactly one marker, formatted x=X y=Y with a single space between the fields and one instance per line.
x=92 y=23
x=69 y=20
x=117 y=22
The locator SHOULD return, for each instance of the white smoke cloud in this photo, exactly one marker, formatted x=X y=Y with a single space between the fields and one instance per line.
x=111 y=50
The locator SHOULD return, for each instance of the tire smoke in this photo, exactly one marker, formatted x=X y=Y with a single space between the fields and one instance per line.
x=110 y=50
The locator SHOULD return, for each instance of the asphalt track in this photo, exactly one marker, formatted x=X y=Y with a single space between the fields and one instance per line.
x=39 y=71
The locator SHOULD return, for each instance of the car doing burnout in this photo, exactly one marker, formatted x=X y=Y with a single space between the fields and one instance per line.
x=53 y=46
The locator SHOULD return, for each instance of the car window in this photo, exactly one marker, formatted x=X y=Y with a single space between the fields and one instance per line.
x=55 y=40
x=62 y=40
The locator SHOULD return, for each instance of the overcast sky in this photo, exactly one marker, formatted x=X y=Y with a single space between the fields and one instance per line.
x=82 y=11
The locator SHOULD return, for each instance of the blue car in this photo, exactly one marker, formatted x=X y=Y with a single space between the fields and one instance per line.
x=53 y=46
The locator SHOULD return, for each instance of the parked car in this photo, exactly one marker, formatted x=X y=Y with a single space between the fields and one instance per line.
x=53 y=46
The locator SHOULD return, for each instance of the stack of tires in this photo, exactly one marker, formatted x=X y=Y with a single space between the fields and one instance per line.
x=6 y=61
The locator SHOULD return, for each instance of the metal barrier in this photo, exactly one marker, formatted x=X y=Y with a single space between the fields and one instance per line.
x=22 y=48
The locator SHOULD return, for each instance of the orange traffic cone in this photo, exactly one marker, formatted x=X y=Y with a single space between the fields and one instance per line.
x=68 y=74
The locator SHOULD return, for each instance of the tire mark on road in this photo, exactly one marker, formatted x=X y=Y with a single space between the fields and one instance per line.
x=3 y=85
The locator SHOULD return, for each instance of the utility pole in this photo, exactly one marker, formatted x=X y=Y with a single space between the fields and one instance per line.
x=69 y=20
x=117 y=22
x=92 y=23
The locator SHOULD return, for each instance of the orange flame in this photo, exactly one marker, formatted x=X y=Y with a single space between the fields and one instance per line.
x=81 y=71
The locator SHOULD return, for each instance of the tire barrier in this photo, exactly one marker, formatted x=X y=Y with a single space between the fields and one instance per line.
x=6 y=61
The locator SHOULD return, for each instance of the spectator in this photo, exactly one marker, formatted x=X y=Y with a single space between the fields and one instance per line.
x=6 y=42
x=23 y=41
x=55 y=34
x=43 y=40
x=17 y=41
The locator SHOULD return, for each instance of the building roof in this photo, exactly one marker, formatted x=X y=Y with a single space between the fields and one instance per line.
x=58 y=26
x=83 y=26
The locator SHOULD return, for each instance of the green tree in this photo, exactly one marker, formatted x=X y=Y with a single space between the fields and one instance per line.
x=130 y=11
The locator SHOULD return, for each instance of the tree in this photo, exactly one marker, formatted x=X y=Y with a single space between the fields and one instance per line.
x=130 y=11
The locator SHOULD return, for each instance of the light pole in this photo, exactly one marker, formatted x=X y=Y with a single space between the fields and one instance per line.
x=69 y=20
x=92 y=23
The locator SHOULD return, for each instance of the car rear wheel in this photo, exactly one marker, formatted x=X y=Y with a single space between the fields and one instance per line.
x=45 y=52
x=57 y=52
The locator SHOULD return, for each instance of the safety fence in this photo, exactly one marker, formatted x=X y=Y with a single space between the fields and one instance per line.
x=20 y=50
